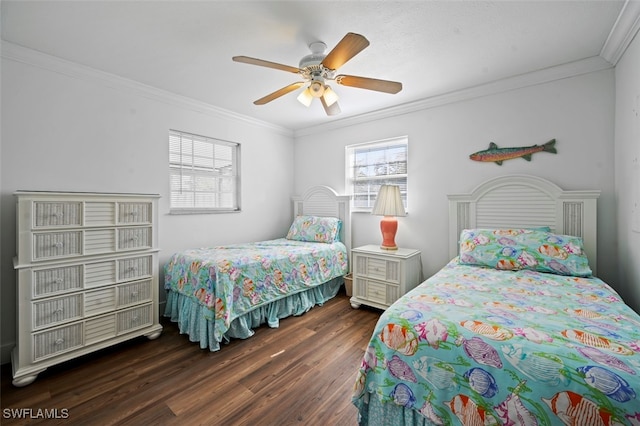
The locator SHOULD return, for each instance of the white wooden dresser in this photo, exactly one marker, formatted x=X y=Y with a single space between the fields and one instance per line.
x=87 y=270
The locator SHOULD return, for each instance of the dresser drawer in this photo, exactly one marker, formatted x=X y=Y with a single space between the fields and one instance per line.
x=56 y=311
x=134 y=268
x=57 y=214
x=51 y=245
x=52 y=281
x=57 y=341
x=134 y=238
x=130 y=319
x=134 y=293
x=132 y=213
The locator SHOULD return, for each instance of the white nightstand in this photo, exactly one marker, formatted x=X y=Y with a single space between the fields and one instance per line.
x=380 y=276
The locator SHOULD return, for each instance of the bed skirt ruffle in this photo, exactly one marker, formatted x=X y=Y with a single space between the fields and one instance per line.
x=189 y=314
x=372 y=411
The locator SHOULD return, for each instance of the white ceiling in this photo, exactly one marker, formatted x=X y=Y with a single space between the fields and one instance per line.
x=432 y=47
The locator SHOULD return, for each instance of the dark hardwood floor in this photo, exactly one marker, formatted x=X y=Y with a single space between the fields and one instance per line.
x=300 y=373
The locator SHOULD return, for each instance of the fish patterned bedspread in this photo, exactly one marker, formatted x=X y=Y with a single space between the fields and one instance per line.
x=232 y=280
x=479 y=346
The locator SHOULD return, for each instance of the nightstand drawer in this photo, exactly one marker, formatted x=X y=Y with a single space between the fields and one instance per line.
x=377 y=268
x=377 y=291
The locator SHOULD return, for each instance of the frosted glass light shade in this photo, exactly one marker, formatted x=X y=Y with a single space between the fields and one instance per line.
x=305 y=97
x=330 y=97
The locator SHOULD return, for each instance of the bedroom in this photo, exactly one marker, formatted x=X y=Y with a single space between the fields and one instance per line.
x=109 y=135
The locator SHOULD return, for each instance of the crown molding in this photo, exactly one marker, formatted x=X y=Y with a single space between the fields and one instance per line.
x=35 y=58
x=624 y=30
x=571 y=69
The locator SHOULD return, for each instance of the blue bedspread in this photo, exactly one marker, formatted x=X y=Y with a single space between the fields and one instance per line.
x=479 y=346
x=233 y=280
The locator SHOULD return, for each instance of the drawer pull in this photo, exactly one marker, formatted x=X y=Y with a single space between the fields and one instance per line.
x=59 y=244
x=135 y=318
x=58 y=215
x=58 y=311
x=134 y=238
x=59 y=342
x=133 y=269
x=134 y=294
x=58 y=281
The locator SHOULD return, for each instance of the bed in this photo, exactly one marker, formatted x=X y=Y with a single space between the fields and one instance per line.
x=515 y=329
x=220 y=293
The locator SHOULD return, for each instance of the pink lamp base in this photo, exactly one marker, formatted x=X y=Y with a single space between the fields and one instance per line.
x=389 y=227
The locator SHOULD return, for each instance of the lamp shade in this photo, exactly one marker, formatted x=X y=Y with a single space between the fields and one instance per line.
x=389 y=202
x=305 y=97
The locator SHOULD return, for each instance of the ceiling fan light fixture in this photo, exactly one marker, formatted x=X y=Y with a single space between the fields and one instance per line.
x=305 y=97
x=330 y=97
x=316 y=88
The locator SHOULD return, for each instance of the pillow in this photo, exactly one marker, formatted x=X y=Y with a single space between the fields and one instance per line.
x=513 y=249
x=315 y=229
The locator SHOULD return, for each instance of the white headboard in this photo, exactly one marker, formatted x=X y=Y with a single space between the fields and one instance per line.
x=516 y=201
x=324 y=201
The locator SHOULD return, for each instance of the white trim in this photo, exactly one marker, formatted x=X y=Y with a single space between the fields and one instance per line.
x=571 y=69
x=620 y=36
x=515 y=201
x=32 y=57
x=623 y=32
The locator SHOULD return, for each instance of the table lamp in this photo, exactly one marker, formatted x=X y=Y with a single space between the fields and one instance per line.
x=389 y=204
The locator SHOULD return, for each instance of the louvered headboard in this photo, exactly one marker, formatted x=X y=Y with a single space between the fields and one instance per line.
x=324 y=201
x=522 y=201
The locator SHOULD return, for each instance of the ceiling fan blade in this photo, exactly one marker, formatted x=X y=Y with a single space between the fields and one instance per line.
x=334 y=109
x=347 y=48
x=262 y=63
x=279 y=92
x=369 y=83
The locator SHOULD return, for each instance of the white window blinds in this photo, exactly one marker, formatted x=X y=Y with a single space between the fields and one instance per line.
x=371 y=165
x=204 y=173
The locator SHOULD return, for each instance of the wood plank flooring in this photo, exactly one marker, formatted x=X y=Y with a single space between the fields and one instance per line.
x=300 y=373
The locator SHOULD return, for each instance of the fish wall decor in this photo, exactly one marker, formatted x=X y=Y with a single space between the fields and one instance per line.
x=498 y=155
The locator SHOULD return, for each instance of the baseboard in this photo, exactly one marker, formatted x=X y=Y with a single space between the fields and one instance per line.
x=5 y=352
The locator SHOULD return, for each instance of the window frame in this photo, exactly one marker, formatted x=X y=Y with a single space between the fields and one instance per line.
x=401 y=179
x=207 y=171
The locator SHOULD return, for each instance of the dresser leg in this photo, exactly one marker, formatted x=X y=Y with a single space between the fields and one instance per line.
x=154 y=335
x=354 y=304
x=25 y=380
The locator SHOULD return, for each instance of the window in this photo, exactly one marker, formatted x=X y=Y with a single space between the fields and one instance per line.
x=370 y=165
x=203 y=174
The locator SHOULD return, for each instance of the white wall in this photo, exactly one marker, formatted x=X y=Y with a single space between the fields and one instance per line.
x=77 y=131
x=577 y=111
x=627 y=173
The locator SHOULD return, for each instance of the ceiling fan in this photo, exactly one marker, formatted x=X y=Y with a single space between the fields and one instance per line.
x=317 y=68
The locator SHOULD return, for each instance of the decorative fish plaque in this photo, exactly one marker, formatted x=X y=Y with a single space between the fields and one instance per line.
x=498 y=155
